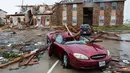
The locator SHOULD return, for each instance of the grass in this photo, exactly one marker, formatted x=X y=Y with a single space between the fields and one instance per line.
x=128 y=25
x=123 y=27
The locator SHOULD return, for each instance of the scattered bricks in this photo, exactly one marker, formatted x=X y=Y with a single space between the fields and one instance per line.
x=123 y=70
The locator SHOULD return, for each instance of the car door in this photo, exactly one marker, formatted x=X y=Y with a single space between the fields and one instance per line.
x=58 y=45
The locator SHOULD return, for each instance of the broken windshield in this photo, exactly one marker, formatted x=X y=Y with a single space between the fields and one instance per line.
x=76 y=42
x=59 y=38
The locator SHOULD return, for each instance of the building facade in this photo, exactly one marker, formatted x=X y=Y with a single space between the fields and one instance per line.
x=2 y=16
x=93 y=12
x=40 y=14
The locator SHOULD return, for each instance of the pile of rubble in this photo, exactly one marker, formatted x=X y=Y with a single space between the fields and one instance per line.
x=118 y=66
x=24 y=53
x=15 y=50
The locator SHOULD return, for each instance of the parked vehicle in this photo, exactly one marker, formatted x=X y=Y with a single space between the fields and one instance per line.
x=77 y=53
x=86 y=30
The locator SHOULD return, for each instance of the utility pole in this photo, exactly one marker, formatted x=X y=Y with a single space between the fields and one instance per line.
x=22 y=2
x=22 y=5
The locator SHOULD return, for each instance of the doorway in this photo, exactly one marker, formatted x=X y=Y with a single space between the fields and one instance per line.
x=88 y=16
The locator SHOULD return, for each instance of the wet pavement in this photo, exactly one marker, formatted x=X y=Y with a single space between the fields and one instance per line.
x=117 y=49
x=43 y=66
x=125 y=47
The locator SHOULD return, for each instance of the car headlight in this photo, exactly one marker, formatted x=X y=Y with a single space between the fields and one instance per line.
x=108 y=52
x=80 y=56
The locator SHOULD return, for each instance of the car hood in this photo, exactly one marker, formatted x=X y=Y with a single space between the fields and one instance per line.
x=89 y=49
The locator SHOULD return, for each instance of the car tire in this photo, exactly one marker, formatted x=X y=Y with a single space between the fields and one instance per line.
x=65 y=61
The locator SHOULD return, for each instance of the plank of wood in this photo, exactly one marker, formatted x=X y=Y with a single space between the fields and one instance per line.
x=19 y=59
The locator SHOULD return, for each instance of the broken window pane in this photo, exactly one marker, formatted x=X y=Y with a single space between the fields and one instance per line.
x=74 y=19
x=74 y=6
x=64 y=20
x=101 y=19
x=114 y=5
x=101 y=6
x=113 y=20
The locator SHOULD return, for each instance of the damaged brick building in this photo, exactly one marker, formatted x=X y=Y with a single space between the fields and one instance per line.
x=93 y=12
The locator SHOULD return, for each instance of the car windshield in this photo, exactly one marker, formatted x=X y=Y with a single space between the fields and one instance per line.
x=76 y=42
x=59 y=39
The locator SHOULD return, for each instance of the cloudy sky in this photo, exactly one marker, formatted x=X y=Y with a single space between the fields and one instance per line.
x=10 y=5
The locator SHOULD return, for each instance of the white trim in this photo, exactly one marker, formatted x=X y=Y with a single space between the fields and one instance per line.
x=50 y=70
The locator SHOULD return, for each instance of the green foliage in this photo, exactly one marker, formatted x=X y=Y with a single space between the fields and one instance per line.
x=123 y=27
x=9 y=55
x=1 y=25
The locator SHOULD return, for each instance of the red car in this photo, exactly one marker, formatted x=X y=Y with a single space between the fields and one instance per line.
x=77 y=54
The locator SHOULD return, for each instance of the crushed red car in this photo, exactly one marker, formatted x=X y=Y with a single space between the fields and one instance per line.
x=77 y=53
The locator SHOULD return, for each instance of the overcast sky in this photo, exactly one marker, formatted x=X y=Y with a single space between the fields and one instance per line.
x=10 y=5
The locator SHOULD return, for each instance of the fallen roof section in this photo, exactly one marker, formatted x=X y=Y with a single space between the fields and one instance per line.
x=24 y=14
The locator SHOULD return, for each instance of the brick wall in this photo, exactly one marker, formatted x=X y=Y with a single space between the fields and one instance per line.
x=69 y=14
x=59 y=14
x=107 y=14
x=56 y=17
x=79 y=14
x=53 y=19
x=119 y=13
x=96 y=13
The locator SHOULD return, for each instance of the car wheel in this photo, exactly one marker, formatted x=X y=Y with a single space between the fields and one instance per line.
x=66 y=63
